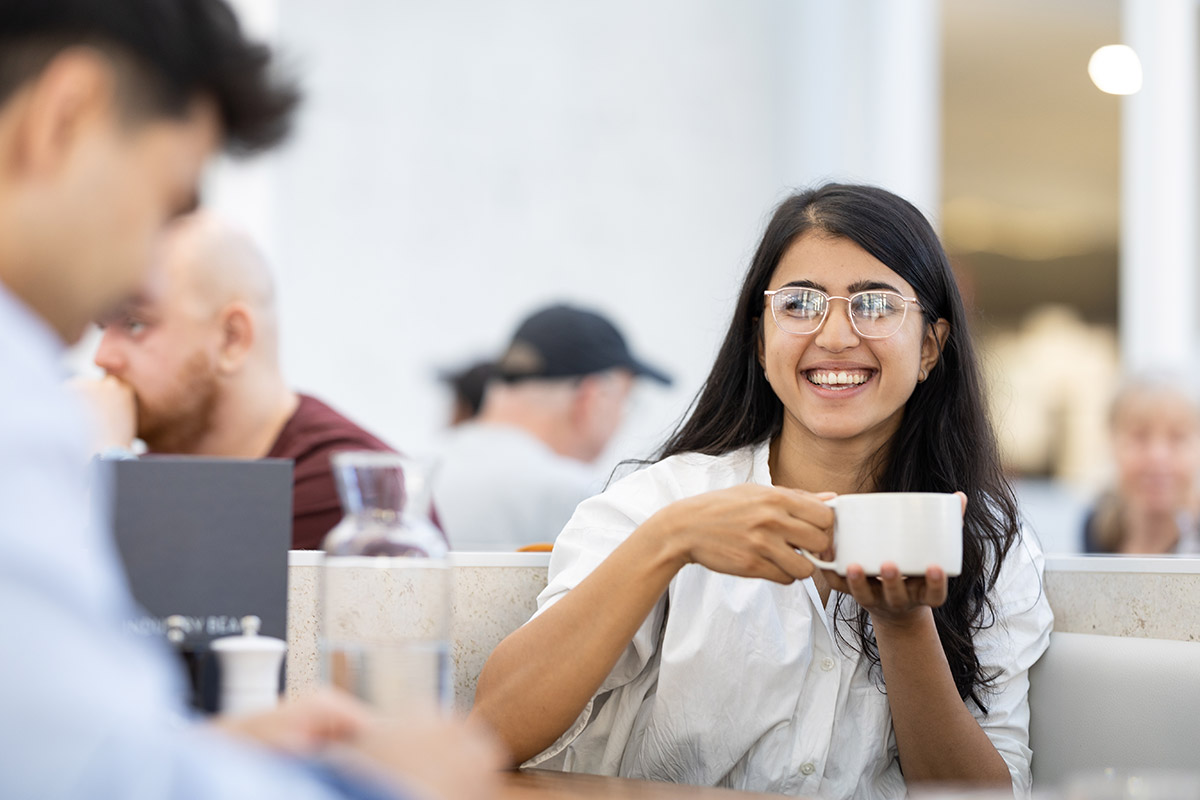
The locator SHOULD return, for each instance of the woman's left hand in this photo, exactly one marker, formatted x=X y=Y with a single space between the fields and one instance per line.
x=892 y=597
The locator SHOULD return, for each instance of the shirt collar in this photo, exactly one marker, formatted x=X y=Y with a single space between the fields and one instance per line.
x=760 y=468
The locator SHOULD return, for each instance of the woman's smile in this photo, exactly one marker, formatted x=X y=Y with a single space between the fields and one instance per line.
x=838 y=379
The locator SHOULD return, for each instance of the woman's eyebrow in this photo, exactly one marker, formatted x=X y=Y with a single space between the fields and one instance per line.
x=866 y=286
x=857 y=286
x=805 y=284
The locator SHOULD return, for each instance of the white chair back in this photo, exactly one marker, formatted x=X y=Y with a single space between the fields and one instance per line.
x=1108 y=701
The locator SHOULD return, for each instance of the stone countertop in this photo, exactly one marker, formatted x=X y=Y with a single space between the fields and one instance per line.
x=495 y=593
x=1145 y=597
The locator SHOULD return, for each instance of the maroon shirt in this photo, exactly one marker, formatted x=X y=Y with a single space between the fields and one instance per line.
x=310 y=437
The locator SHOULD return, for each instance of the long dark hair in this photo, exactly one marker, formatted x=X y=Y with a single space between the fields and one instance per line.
x=945 y=442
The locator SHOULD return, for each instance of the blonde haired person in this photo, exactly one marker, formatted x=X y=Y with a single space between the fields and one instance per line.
x=1153 y=505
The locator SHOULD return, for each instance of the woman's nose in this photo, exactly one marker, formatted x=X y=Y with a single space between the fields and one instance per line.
x=837 y=333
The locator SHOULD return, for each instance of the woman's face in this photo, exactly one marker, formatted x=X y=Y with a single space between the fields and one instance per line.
x=865 y=405
x=1156 y=441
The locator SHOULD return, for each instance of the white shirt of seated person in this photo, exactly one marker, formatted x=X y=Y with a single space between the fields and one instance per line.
x=745 y=683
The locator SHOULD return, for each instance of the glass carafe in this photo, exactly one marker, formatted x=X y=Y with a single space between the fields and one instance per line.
x=385 y=585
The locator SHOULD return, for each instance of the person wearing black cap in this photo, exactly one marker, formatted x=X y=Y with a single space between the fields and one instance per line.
x=468 y=385
x=513 y=476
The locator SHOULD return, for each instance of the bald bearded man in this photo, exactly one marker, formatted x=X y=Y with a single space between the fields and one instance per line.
x=192 y=367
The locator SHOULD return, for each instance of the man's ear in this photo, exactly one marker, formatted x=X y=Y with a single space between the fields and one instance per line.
x=237 y=337
x=583 y=400
x=76 y=90
x=931 y=347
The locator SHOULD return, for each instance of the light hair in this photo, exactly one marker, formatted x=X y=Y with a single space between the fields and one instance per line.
x=1156 y=381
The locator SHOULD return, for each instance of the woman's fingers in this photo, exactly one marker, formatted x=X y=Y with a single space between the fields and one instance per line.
x=790 y=561
x=860 y=588
x=754 y=531
x=772 y=572
x=892 y=592
x=936 y=587
x=809 y=508
x=806 y=523
x=798 y=535
x=836 y=582
x=895 y=589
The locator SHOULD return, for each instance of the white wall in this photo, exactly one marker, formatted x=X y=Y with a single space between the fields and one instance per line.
x=459 y=163
x=1160 y=193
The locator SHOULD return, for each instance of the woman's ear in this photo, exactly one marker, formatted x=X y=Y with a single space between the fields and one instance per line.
x=931 y=347
x=237 y=337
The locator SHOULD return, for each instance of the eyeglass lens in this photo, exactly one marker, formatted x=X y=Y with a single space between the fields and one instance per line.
x=873 y=314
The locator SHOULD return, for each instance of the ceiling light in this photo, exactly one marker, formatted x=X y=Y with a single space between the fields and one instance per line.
x=1116 y=69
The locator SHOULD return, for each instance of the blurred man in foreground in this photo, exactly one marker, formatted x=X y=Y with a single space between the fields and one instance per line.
x=108 y=111
x=193 y=368
x=513 y=476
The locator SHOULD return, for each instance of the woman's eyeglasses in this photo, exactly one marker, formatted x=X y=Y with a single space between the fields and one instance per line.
x=874 y=314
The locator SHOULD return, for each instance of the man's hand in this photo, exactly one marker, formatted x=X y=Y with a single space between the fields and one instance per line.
x=435 y=756
x=114 y=410
x=301 y=727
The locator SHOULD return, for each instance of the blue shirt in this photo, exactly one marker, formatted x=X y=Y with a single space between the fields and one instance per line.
x=87 y=710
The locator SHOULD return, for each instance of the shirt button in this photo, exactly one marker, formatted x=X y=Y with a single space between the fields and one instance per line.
x=807 y=768
x=826 y=664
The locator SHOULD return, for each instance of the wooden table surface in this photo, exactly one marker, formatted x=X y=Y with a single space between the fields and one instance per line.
x=537 y=784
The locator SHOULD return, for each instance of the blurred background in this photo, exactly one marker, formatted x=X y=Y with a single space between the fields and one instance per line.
x=459 y=163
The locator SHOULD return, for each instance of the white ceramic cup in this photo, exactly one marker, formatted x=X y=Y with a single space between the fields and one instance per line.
x=915 y=530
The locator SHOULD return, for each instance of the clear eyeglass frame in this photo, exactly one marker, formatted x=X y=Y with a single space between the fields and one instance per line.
x=803 y=327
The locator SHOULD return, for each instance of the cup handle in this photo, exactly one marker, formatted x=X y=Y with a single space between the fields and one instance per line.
x=832 y=503
x=819 y=562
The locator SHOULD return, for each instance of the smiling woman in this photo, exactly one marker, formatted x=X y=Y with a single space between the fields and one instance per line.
x=861 y=684
x=839 y=363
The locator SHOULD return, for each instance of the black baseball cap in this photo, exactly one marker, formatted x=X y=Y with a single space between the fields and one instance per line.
x=562 y=341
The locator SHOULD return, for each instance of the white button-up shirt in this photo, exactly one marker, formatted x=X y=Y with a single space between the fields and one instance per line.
x=746 y=683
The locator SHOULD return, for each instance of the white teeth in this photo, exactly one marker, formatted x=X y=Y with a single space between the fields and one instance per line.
x=838 y=378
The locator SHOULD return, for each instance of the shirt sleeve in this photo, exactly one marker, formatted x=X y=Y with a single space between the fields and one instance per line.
x=600 y=524
x=1017 y=638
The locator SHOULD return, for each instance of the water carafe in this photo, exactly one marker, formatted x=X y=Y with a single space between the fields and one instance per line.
x=385 y=585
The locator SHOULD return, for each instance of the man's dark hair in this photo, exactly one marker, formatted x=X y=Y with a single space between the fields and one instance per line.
x=166 y=52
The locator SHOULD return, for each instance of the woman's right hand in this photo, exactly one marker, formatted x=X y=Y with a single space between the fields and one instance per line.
x=749 y=530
